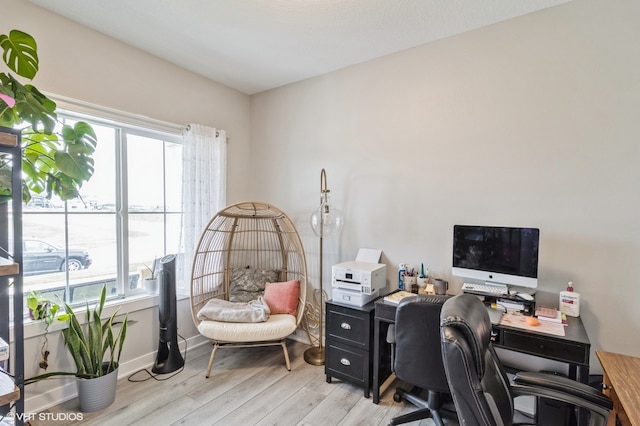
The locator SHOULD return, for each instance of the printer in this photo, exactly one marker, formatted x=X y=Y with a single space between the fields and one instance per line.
x=363 y=277
x=359 y=282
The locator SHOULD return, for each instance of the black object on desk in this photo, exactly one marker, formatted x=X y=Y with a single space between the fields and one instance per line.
x=573 y=348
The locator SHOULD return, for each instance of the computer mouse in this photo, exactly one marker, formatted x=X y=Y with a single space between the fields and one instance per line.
x=525 y=296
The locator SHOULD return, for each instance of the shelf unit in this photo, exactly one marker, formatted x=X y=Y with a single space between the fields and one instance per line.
x=9 y=392
x=8 y=267
x=12 y=389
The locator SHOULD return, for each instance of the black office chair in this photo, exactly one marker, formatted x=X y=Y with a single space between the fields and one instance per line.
x=417 y=357
x=481 y=390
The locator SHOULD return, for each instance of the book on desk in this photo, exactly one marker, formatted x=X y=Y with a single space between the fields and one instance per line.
x=398 y=296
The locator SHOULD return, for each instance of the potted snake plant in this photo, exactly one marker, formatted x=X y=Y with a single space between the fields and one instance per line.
x=95 y=348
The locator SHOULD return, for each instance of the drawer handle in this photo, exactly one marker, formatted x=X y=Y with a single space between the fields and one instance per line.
x=345 y=361
x=345 y=326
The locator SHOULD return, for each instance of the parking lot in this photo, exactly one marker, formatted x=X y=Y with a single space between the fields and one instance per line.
x=95 y=231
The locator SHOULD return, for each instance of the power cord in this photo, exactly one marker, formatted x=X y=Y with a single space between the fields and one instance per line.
x=2 y=250
x=155 y=376
x=7 y=373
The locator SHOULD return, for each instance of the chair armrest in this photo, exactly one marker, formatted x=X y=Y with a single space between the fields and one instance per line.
x=562 y=389
x=391 y=334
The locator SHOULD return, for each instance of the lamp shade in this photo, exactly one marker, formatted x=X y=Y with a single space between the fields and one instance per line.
x=326 y=220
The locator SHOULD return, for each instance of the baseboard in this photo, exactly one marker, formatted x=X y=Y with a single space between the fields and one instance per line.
x=52 y=397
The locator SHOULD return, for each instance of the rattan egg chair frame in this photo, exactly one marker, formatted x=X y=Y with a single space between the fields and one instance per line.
x=247 y=236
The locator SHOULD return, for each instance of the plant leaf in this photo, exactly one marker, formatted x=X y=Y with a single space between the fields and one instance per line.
x=20 y=53
x=121 y=336
x=22 y=104
x=95 y=341
x=77 y=166
x=77 y=342
x=108 y=345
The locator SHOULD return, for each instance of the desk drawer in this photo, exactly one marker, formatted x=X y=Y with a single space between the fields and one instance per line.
x=386 y=311
x=544 y=347
x=343 y=362
x=348 y=328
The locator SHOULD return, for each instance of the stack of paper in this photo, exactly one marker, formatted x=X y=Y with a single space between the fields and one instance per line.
x=558 y=317
x=398 y=296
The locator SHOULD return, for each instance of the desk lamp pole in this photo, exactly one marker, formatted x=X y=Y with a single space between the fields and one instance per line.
x=324 y=221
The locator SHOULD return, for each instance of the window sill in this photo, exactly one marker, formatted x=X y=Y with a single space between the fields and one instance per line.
x=128 y=305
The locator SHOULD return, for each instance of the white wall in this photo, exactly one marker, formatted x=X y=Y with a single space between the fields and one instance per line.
x=530 y=122
x=83 y=64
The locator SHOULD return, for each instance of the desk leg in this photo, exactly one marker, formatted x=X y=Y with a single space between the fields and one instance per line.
x=376 y=362
x=580 y=374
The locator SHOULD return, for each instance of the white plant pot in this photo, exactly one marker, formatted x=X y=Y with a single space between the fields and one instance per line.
x=96 y=394
x=150 y=285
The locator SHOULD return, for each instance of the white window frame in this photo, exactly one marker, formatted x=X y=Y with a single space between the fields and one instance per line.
x=124 y=124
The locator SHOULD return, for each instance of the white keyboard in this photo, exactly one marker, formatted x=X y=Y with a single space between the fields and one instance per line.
x=489 y=289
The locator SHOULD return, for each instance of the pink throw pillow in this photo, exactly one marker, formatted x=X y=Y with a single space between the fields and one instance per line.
x=282 y=298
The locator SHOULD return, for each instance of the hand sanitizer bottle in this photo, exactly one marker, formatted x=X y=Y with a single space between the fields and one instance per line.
x=402 y=269
x=570 y=302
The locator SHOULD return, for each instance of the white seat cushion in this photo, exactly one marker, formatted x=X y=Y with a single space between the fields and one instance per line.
x=276 y=327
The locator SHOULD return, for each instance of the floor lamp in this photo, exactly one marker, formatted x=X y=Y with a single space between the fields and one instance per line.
x=326 y=220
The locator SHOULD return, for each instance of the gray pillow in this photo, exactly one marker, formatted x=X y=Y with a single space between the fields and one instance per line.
x=247 y=284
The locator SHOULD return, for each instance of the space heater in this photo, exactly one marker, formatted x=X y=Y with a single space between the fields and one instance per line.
x=168 y=358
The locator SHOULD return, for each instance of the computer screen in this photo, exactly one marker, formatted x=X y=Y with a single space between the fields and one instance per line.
x=502 y=255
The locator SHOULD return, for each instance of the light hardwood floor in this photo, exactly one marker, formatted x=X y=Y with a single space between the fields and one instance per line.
x=249 y=386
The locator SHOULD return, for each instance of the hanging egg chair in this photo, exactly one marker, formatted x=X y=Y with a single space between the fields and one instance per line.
x=247 y=251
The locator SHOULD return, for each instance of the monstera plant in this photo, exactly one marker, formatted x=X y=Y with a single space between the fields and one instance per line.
x=56 y=157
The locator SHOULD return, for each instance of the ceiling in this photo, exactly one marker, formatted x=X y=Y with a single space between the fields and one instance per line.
x=256 y=45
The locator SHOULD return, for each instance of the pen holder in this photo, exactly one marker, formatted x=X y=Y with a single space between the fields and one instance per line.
x=422 y=282
x=409 y=281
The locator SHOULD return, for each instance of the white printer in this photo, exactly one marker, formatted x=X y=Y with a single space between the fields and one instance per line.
x=359 y=282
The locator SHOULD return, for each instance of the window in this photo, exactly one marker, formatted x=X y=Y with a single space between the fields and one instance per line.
x=127 y=216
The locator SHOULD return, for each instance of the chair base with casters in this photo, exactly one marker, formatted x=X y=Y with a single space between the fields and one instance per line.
x=431 y=407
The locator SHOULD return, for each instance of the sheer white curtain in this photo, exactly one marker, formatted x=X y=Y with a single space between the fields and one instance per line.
x=204 y=183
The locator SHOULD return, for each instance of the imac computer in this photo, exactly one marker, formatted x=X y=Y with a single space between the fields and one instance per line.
x=498 y=256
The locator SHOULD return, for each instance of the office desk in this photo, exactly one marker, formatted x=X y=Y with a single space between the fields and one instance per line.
x=572 y=349
x=621 y=383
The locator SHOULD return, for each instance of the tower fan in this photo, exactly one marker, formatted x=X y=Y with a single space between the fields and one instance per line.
x=169 y=358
